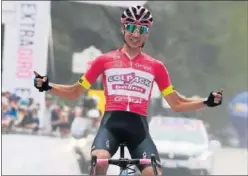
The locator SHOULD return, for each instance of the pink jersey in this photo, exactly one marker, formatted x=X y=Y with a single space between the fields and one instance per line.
x=128 y=83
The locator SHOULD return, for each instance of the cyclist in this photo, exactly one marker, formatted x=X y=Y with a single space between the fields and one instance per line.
x=128 y=77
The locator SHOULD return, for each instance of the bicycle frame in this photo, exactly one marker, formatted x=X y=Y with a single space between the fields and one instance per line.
x=123 y=168
x=123 y=163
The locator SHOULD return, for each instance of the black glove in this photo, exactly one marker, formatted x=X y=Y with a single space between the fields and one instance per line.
x=45 y=85
x=210 y=101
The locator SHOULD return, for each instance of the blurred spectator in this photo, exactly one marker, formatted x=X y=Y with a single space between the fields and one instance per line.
x=7 y=120
x=46 y=118
x=55 y=111
x=62 y=124
x=89 y=103
x=7 y=94
x=81 y=124
x=28 y=120
x=30 y=101
x=13 y=103
x=94 y=113
x=95 y=116
x=34 y=116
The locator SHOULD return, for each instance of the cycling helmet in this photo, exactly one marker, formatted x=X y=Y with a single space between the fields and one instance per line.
x=137 y=15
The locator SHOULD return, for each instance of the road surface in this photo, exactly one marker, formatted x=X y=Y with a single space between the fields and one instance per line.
x=39 y=155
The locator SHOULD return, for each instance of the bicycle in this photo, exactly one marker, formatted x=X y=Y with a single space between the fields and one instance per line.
x=123 y=163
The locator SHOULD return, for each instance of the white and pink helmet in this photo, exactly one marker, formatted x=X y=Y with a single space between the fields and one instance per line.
x=137 y=15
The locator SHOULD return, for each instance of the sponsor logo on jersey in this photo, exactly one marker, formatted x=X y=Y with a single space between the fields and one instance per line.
x=134 y=100
x=130 y=79
x=128 y=87
x=143 y=67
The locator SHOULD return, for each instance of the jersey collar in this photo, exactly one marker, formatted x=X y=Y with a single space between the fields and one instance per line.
x=120 y=50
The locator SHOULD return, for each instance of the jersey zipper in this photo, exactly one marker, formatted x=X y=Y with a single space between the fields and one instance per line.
x=128 y=97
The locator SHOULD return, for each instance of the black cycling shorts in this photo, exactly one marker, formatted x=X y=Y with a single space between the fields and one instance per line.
x=120 y=126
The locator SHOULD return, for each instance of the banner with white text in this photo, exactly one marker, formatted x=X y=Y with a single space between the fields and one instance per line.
x=26 y=47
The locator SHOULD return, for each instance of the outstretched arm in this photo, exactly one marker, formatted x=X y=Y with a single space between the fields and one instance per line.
x=185 y=99
x=181 y=104
x=72 y=92
x=176 y=101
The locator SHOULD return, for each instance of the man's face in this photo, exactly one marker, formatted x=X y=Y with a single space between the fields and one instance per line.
x=135 y=35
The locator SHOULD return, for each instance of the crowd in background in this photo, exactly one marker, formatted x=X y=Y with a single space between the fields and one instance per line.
x=23 y=113
x=19 y=112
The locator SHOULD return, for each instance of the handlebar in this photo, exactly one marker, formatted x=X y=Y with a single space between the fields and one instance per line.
x=123 y=161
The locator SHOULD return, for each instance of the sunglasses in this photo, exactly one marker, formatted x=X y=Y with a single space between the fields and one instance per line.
x=133 y=27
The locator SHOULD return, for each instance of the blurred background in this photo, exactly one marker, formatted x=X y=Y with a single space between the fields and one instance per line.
x=204 y=46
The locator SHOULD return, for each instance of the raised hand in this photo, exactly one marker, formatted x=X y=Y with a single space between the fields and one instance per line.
x=41 y=82
x=214 y=98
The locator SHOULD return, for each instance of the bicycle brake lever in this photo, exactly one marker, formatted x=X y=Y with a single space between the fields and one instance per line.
x=154 y=164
